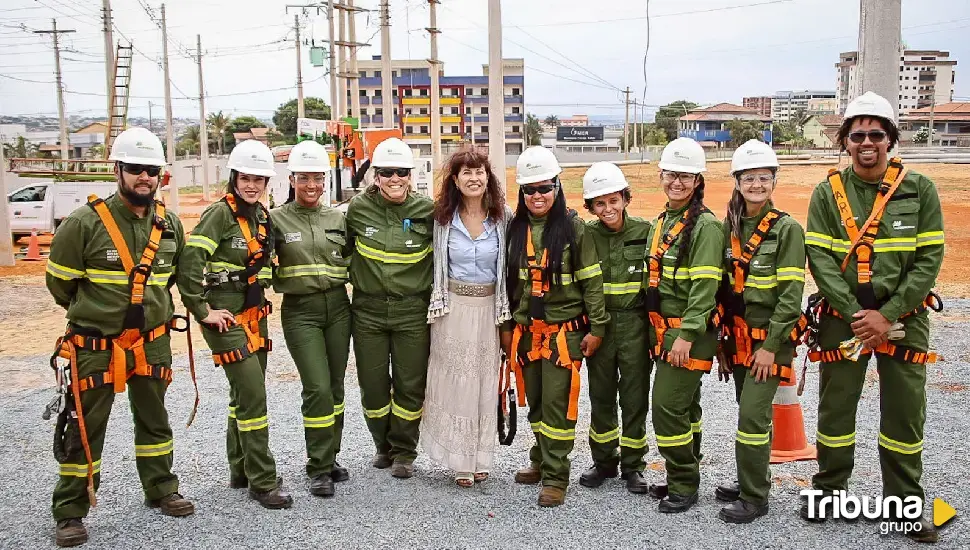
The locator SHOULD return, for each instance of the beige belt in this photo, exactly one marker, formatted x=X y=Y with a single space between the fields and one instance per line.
x=470 y=289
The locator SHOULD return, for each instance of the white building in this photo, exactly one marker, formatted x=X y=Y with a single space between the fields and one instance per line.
x=923 y=75
x=787 y=103
x=10 y=132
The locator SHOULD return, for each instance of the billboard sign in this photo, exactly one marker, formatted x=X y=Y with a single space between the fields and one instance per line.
x=579 y=133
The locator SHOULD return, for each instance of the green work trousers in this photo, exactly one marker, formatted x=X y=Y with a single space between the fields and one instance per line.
x=153 y=434
x=620 y=366
x=902 y=404
x=547 y=388
x=392 y=342
x=247 y=429
x=752 y=443
x=677 y=422
x=317 y=332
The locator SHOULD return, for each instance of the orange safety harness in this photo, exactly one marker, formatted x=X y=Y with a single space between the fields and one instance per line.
x=253 y=309
x=732 y=299
x=543 y=334
x=659 y=247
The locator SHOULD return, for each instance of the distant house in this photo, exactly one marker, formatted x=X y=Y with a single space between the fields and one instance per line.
x=822 y=130
x=708 y=126
x=94 y=128
x=259 y=134
x=951 y=123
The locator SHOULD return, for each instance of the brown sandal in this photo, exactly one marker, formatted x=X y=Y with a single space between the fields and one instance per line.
x=480 y=476
x=465 y=480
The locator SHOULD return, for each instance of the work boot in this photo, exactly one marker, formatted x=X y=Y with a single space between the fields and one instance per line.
x=803 y=511
x=339 y=473
x=928 y=533
x=550 y=497
x=742 y=511
x=675 y=504
x=635 y=483
x=381 y=461
x=530 y=475
x=597 y=474
x=728 y=492
x=658 y=490
x=242 y=482
x=274 y=499
x=174 y=505
x=401 y=469
x=70 y=532
x=321 y=486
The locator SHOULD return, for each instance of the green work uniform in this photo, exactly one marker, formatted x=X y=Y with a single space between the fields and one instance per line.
x=547 y=384
x=687 y=293
x=621 y=365
x=390 y=270
x=311 y=248
x=86 y=277
x=772 y=298
x=908 y=253
x=217 y=245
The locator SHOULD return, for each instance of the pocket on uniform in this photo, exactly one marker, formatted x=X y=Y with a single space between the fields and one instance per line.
x=901 y=217
x=635 y=252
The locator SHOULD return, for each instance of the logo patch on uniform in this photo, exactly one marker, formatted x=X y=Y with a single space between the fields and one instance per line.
x=239 y=243
x=760 y=265
x=898 y=225
x=112 y=255
x=370 y=231
x=293 y=237
x=410 y=244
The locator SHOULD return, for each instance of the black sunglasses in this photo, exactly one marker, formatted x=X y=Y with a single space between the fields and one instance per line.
x=875 y=136
x=533 y=189
x=137 y=169
x=391 y=172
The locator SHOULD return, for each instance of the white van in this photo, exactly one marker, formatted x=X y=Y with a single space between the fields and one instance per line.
x=42 y=206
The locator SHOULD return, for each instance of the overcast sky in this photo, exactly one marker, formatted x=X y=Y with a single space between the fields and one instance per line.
x=707 y=51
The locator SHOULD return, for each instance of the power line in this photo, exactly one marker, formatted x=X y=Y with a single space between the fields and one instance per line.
x=584 y=69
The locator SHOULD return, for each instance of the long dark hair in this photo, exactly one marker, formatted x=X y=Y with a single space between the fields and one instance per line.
x=449 y=197
x=694 y=211
x=736 y=206
x=557 y=233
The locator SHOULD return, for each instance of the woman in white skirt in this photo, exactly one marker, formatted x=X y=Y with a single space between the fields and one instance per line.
x=468 y=303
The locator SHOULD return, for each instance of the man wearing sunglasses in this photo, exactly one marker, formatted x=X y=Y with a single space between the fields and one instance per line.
x=874 y=244
x=115 y=285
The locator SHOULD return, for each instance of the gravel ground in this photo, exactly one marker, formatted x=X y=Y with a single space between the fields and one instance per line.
x=429 y=510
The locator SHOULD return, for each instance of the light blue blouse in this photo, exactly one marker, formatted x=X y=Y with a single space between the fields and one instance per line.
x=472 y=260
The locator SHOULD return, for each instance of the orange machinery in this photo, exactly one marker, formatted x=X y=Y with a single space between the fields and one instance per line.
x=356 y=147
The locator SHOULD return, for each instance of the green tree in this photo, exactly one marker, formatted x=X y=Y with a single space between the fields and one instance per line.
x=188 y=143
x=743 y=130
x=551 y=120
x=243 y=123
x=921 y=135
x=668 y=117
x=285 y=116
x=20 y=148
x=646 y=134
x=533 y=130
x=216 y=124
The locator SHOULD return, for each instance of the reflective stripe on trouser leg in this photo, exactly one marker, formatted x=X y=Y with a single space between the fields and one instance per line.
x=840 y=387
x=410 y=349
x=697 y=421
x=603 y=375
x=247 y=381
x=532 y=372
x=634 y=387
x=674 y=391
x=337 y=336
x=752 y=446
x=154 y=445
x=372 y=351
x=902 y=390
x=557 y=434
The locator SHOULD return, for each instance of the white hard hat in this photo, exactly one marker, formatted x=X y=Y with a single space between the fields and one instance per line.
x=392 y=153
x=603 y=178
x=308 y=156
x=683 y=155
x=536 y=164
x=252 y=157
x=753 y=154
x=138 y=146
x=871 y=104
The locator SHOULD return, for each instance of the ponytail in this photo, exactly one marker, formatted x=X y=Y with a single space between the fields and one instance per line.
x=735 y=211
x=694 y=211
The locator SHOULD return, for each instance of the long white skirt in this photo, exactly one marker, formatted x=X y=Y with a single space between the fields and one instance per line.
x=459 y=424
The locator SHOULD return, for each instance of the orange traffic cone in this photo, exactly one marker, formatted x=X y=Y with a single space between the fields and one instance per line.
x=788 y=442
x=33 y=248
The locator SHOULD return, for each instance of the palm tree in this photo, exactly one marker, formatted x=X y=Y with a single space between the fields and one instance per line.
x=217 y=123
x=551 y=120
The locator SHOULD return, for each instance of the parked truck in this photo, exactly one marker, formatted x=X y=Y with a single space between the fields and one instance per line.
x=41 y=206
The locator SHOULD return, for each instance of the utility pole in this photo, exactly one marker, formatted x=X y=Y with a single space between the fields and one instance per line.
x=880 y=24
x=173 y=189
x=387 y=75
x=60 y=88
x=300 y=112
x=626 y=125
x=929 y=137
x=333 y=65
x=496 y=91
x=203 y=131
x=472 y=132
x=436 y=92
x=109 y=53
x=636 y=129
x=151 y=125
x=342 y=62
x=354 y=73
x=6 y=240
